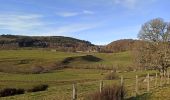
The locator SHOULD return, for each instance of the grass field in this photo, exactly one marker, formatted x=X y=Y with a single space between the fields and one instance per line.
x=28 y=61
x=60 y=81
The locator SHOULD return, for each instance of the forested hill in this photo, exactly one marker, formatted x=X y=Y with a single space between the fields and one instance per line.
x=62 y=43
x=56 y=42
x=120 y=45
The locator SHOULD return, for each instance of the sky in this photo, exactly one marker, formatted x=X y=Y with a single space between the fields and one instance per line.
x=97 y=21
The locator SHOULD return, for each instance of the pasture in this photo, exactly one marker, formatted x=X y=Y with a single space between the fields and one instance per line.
x=17 y=67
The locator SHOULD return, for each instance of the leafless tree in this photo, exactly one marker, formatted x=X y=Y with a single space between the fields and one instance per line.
x=155 y=51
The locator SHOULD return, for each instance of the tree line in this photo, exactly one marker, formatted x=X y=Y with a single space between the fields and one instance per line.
x=54 y=42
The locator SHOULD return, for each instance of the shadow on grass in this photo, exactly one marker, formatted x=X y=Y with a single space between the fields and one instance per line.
x=145 y=96
x=89 y=58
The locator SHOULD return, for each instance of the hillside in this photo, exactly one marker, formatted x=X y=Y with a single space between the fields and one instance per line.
x=40 y=61
x=57 y=42
x=61 y=43
x=120 y=45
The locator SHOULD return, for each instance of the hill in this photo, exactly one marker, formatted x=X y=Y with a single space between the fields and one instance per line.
x=56 y=42
x=120 y=45
x=61 y=43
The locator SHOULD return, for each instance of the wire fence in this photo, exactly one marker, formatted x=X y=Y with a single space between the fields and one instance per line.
x=135 y=86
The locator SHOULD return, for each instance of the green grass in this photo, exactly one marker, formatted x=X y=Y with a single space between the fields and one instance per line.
x=60 y=81
x=28 y=61
x=57 y=77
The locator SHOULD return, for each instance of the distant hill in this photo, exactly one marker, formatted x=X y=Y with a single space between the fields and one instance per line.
x=120 y=45
x=61 y=43
x=55 y=42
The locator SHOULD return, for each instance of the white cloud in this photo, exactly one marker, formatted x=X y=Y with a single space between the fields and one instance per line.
x=127 y=3
x=33 y=24
x=20 y=23
x=71 y=14
x=67 y=30
x=132 y=3
x=67 y=14
x=88 y=12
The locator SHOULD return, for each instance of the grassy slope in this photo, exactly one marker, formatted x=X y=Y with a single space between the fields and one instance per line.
x=12 y=60
x=60 y=81
x=27 y=60
x=116 y=59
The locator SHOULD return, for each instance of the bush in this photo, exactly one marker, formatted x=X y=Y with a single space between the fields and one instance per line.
x=10 y=92
x=114 y=92
x=37 y=88
x=111 y=76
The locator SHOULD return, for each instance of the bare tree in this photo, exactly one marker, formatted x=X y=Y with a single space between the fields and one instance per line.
x=155 y=52
x=155 y=30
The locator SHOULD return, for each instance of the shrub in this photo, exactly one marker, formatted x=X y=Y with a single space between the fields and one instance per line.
x=114 y=92
x=111 y=76
x=37 y=88
x=10 y=92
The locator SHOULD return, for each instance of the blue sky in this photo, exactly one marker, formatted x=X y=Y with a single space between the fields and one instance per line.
x=98 y=21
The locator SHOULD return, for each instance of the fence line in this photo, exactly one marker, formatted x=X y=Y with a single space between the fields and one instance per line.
x=163 y=80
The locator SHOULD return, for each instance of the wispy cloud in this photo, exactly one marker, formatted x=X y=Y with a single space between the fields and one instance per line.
x=132 y=3
x=20 y=22
x=68 y=30
x=88 y=12
x=71 y=14
x=127 y=3
x=33 y=24
x=67 y=14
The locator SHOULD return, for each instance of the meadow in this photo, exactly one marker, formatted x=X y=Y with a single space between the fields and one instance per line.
x=28 y=61
x=17 y=71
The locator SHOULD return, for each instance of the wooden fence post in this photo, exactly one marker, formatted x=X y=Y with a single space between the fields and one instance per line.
x=148 y=85
x=101 y=86
x=136 y=87
x=74 y=92
x=156 y=80
x=121 y=82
